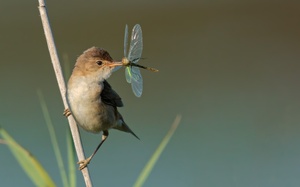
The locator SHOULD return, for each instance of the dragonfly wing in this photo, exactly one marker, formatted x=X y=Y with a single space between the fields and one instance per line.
x=136 y=81
x=125 y=40
x=136 y=44
x=128 y=74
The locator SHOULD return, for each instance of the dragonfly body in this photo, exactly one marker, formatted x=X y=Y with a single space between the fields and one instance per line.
x=126 y=62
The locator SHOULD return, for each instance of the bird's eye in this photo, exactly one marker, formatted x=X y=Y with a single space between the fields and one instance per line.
x=99 y=62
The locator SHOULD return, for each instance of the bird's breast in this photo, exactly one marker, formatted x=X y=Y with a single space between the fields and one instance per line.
x=86 y=106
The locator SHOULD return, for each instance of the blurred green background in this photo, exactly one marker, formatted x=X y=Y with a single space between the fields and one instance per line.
x=231 y=69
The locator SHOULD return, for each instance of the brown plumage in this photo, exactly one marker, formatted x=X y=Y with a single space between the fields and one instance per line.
x=92 y=101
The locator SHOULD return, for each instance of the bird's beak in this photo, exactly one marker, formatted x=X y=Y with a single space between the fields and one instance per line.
x=115 y=64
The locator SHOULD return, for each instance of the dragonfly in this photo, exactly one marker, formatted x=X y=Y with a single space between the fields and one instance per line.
x=130 y=59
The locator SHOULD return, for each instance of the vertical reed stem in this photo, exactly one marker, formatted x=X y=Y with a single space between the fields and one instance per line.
x=62 y=87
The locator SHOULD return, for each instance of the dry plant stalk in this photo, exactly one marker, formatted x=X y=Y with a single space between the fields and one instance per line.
x=62 y=87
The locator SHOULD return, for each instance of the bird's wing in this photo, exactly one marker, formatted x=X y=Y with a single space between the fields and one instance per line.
x=109 y=96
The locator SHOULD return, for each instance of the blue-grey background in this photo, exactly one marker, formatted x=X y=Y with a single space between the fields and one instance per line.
x=231 y=69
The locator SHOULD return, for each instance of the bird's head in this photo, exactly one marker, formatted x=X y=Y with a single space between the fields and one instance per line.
x=95 y=62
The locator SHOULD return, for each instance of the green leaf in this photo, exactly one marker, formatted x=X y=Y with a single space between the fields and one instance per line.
x=151 y=163
x=53 y=138
x=28 y=162
x=71 y=159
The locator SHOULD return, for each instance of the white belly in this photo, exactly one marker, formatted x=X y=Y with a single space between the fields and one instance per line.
x=86 y=106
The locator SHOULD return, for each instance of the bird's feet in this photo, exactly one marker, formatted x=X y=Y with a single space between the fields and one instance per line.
x=84 y=163
x=67 y=112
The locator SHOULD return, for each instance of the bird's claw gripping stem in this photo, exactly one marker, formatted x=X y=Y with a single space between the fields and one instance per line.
x=84 y=163
x=67 y=112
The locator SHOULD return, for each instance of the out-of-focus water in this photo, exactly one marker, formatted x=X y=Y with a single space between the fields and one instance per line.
x=230 y=68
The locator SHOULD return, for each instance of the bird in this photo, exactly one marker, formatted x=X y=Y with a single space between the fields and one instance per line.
x=91 y=99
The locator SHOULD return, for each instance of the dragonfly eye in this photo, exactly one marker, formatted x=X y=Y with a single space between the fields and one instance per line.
x=99 y=62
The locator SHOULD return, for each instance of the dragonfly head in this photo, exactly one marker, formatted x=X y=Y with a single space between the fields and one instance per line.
x=125 y=61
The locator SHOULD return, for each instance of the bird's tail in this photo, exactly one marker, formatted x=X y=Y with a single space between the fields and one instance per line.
x=127 y=129
x=124 y=127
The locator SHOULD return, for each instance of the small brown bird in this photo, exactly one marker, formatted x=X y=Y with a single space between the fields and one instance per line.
x=92 y=101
